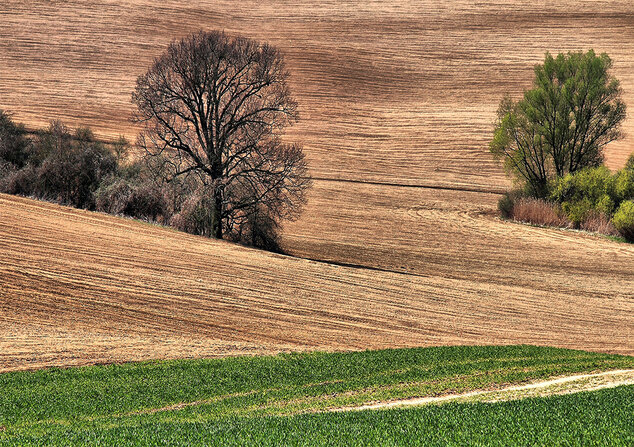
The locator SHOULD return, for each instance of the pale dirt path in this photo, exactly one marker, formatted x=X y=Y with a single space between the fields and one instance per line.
x=561 y=385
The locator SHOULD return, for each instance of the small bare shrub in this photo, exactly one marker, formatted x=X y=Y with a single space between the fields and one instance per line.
x=14 y=145
x=507 y=202
x=538 y=212
x=142 y=201
x=258 y=230
x=146 y=202
x=195 y=216
x=113 y=198
x=597 y=222
x=22 y=182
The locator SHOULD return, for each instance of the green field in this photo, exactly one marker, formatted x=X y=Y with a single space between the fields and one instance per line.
x=268 y=400
x=599 y=418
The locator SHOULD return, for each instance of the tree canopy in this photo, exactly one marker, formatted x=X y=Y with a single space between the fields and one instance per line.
x=214 y=107
x=562 y=124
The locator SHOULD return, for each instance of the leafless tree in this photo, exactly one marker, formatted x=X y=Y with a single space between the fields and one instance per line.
x=214 y=106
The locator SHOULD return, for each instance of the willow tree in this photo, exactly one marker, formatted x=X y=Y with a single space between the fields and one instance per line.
x=215 y=107
x=563 y=123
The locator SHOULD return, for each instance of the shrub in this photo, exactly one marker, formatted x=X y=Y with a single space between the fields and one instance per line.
x=623 y=220
x=112 y=197
x=120 y=149
x=146 y=202
x=264 y=233
x=506 y=203
x=597 y=222
x=538 y=212
x=195 y=215
x=624 y=183
x=56 y=139
x=577 y=211
x=590 y=183
x=257 y=229
x=14 y=145
x=605 y=205
x=581 y=192
x=6 y=169
x=132 y=197
x=22 y=182
x=55 y=166
x=73 y=175
x=505 y=206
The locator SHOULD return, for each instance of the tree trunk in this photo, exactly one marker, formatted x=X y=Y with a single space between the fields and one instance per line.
x=216 y=176
x=216 y=222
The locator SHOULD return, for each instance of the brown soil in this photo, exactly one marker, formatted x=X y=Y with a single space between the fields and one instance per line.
x=80 y=287
x=390 y=92
x=403 y=91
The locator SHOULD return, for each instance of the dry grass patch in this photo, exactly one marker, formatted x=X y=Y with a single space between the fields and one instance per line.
x=539 y=212
x=597 y=222
x=544 y=213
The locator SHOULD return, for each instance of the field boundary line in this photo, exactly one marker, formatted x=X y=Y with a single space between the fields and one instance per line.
x=419 y=186
x=360 y=266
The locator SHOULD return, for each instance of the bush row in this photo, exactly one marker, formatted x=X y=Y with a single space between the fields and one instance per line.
x=77 y=170
x=55 y=165
x=593 y=199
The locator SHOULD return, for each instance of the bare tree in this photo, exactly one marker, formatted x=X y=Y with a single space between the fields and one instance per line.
x=215 y=106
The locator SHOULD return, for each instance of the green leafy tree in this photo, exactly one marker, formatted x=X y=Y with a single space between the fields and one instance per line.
x=563 y=123
x=624 y=220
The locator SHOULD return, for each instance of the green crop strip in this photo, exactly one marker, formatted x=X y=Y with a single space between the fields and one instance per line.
x=600 y=418
x=57 y=404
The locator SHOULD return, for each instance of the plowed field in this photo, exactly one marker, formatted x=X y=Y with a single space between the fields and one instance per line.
x=80 y=287
x=398 y=91
x=391 y=93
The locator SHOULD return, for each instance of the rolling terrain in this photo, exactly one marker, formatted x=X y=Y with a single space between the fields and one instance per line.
x=400 y=244
x=81 y=287
x=399 y=91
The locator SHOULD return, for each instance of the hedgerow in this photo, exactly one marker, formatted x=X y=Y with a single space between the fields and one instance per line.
x=77 y=170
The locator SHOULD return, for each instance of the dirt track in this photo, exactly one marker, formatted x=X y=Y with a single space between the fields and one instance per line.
x=551 y=387
x=80 y=287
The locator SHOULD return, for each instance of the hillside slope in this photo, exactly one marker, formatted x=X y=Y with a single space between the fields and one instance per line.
x=456 y=234
x=398 y=91
x=392 y=92
x=79 y=287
